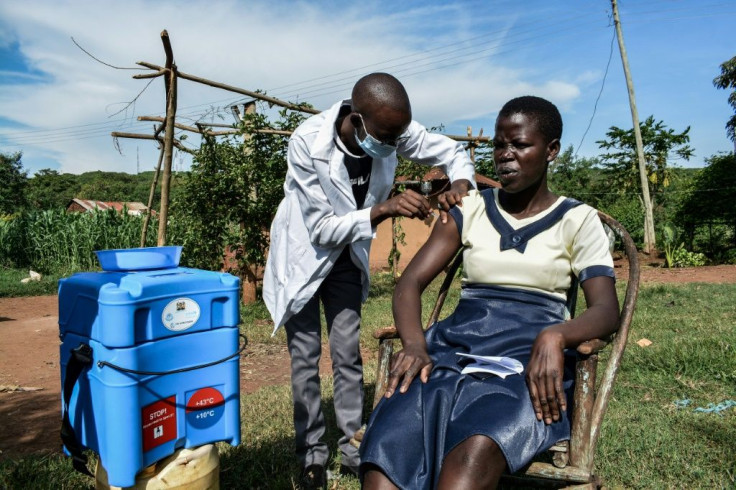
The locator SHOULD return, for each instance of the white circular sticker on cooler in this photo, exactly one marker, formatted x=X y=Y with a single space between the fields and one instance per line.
x=180 y=314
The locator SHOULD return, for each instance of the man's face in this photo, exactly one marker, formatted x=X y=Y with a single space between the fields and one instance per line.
x=386 y=125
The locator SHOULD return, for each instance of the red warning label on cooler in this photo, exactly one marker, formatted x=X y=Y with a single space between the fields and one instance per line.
x=159 y=423
x=205 y=408
x=205 y=398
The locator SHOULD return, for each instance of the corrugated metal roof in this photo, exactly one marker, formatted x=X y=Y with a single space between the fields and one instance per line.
x=134 y=208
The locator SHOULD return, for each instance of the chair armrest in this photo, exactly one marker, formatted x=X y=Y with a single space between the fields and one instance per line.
x=586 y=348
x=386 y=333
x=592 y=346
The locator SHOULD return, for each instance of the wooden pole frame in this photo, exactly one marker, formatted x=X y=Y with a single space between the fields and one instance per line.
x=171 y=76
x=154 y=183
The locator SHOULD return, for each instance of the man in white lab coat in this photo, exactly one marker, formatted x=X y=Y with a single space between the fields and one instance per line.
x=341 y=166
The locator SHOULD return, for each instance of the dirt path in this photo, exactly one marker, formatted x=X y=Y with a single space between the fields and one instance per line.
x=29 y=359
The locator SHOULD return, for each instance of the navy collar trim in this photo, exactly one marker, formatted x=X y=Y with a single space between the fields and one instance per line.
x=517 y=239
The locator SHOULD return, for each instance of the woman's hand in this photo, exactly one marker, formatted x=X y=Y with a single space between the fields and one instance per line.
x=406 y=364
x=453 y=197
x=544 y=376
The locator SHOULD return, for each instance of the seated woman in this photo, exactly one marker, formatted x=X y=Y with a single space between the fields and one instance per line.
x=522 y=245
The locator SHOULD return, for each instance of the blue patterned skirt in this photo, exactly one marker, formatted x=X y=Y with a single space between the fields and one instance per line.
x=410 y=434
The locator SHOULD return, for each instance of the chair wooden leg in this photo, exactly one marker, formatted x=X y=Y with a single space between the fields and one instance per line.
x=385 y=351
x=580 y=450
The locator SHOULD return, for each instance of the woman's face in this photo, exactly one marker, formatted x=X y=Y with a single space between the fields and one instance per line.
x=521 y=152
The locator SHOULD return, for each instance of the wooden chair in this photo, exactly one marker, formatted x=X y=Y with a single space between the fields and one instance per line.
x=572 y=463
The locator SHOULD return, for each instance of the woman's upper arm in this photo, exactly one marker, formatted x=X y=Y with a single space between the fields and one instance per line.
x=437 y=252
x=600 y=296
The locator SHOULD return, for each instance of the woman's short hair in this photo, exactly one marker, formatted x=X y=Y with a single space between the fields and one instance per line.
x=544 y=113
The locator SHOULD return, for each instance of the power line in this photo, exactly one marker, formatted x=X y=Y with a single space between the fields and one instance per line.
x=333 y=88
x=500 y=43
x=509 y=41
x=595 y=106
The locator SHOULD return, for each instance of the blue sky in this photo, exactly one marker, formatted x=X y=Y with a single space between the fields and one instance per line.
x=460 y=61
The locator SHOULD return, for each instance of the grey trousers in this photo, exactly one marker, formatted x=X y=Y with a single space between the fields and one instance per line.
x=340 y=294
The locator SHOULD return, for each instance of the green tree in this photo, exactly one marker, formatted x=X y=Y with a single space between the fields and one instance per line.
x=661 y=146
x=14 y=183
x=711 y=199
x=484 y=160
x=49 y=189
x=726 y=80
x=107 y=186
x=231 y=194
x=576 y=177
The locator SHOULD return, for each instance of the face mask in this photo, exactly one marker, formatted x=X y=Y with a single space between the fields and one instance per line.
x=374 y=148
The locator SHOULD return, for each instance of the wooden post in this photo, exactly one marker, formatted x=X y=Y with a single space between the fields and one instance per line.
x=248 y=272
x=154 y=183
x=471 y=145
x=649 y=237
x=230 y=88
x=168 y=138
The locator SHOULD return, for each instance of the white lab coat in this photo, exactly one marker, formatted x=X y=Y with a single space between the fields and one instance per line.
x=318 y=215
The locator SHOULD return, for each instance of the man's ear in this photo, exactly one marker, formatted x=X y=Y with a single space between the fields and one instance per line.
x=553 y=149
x=355 y=120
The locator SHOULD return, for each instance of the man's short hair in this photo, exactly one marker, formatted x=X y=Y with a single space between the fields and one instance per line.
x=544 y=113
x=380 y=89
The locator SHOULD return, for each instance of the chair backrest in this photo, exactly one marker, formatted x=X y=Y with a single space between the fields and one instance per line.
x=605 y=384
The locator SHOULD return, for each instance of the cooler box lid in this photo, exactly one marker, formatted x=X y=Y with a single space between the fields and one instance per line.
x=139 y=259
x=126 y=308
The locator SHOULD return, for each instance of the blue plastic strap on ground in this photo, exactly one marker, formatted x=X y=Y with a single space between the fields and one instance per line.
x=682 y=403
x=710 y=408
x=713 y=408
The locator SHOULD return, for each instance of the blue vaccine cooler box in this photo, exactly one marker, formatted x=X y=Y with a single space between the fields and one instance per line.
x=149 y=359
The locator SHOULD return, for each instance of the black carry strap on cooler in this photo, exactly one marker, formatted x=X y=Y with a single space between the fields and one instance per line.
x=80 y=359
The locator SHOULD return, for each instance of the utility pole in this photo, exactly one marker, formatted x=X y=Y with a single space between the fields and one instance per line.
x=649 y=238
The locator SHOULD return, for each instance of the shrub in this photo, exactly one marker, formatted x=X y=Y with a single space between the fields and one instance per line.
x=683 y=258
x=630 y=213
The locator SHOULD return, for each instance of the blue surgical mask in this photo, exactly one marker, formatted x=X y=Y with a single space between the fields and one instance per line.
x=374 y=148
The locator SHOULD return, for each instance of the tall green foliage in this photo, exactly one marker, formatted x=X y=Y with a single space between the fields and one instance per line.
x=661 y=146
x=484 y=159
x=14 y=183
x=576 y=177
x=621 y=164
x=49 y=189
x=726 y=80
x=712 y=195
x=711 y=201
x=54 y=241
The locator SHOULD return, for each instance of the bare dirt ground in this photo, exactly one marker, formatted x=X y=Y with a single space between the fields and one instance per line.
x=30 y=373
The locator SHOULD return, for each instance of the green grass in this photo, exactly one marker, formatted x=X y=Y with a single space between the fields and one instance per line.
x=646 y=441
x=10 y=285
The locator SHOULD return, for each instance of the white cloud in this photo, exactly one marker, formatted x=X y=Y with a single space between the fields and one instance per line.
x=274 y=46
x=252 y=45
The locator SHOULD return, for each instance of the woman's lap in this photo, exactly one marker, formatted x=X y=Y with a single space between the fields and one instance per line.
x=410 y=434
